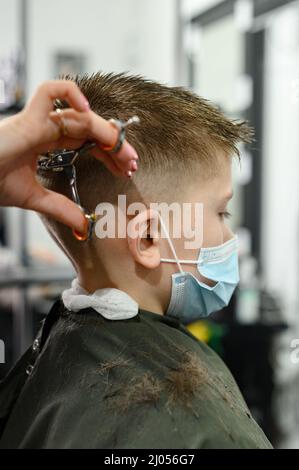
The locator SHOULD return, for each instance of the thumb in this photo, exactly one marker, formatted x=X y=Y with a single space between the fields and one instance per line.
x=60 y=208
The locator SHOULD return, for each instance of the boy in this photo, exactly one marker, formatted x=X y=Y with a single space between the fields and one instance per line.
x=114 y=366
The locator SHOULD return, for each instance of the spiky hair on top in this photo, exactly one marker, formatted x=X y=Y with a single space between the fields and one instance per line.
x=178 y=130
x=172 y=118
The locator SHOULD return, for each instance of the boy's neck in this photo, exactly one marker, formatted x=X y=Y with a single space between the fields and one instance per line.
x=144 y=300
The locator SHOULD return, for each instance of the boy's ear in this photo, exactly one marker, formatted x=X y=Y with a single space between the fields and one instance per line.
x=143 y=239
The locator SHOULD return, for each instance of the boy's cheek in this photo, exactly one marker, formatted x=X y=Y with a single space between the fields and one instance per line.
x=213 y=230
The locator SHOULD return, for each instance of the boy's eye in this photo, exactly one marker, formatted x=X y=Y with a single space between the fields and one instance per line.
x=225 y=215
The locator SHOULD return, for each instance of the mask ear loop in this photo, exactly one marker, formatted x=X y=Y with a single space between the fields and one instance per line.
x=170 y=244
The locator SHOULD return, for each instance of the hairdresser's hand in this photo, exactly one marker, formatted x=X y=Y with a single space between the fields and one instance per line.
x=38 y=129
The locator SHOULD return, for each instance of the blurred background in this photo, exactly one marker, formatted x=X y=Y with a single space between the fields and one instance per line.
x=243 y=55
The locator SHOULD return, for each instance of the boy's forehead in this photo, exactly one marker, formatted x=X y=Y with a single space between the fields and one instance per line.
x=218 y=185
x=223 y=177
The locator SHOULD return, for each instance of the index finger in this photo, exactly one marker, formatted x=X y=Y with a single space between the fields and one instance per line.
x=42 y=101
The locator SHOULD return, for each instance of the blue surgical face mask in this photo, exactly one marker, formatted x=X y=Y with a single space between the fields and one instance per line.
x=192 y=299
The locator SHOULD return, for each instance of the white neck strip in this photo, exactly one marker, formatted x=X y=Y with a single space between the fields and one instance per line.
x=113 y=304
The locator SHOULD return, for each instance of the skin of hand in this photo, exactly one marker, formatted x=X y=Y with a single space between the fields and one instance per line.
x=36 y=130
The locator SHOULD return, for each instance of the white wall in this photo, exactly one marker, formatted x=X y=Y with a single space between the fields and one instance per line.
x=116 y=35
x=9 y=36
x=195 y=7
x=211 y=65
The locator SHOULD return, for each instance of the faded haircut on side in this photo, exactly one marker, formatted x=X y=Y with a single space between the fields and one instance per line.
x=177 y=139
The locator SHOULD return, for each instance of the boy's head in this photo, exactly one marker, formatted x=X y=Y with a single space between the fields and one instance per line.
x=185 y=147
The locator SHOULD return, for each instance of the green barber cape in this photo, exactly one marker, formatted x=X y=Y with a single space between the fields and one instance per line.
x=146 y=382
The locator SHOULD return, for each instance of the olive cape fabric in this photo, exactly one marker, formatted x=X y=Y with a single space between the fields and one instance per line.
x=144 y=382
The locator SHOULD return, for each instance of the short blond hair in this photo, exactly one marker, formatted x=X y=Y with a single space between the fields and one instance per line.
x=178 y=132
